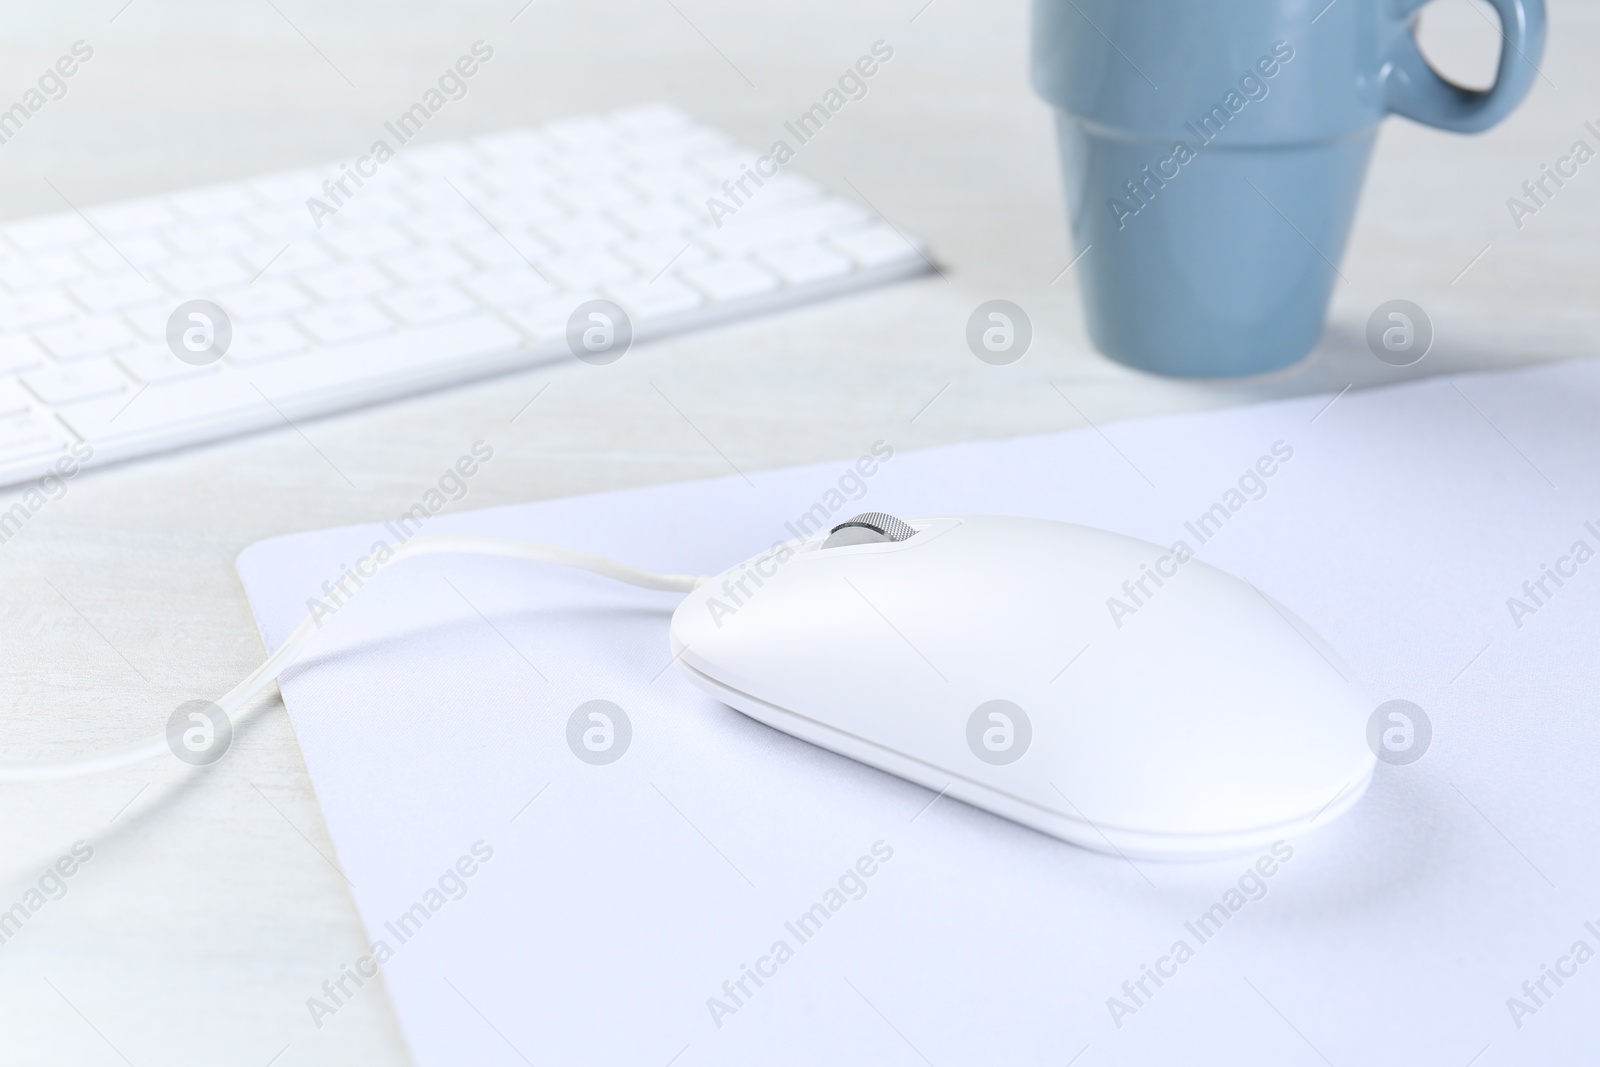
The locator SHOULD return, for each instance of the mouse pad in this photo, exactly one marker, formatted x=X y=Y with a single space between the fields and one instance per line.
x=690 y=887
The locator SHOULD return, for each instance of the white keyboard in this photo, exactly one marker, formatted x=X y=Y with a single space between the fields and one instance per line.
x=451 y=261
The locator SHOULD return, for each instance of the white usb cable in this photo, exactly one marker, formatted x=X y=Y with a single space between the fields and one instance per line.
x=257 y=680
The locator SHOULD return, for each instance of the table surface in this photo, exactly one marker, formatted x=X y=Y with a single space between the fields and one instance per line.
x=210 y=910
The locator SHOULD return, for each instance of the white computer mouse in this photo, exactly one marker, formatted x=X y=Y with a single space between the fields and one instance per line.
x=1118 y=695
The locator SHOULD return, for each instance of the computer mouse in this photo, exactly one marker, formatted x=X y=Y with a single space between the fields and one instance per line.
x=1107 y=691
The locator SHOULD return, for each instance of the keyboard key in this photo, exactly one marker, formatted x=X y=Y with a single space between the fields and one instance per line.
x=801 y=263
x=588 y=197
x=729 y=279
x=374 y=207
x=150 y=320
x=28 y=434
x=516 y=210
x=502 y=287
x=191 y=276
x=284 y=259
x=361 y=242
x=520 y=176
x=583 y=234
x=135 y=252
x=132 y=216
x=209 y=239
x=436 y=227
x=508 y=248
x=423 y=304
x=426 y=265
x=345 y=322
x=41 y=271
x=69 y=383
x=157 y=365
x=50 y=231
x=19 y=352
x=255 y=342
x=658 y=218
x=583 y=272
x=172 y=408
x=747 y=231
x=545 y=319
x=284 y=222
x=349 y=281
x=653 y=257
x=873 y=245
x=87 y=337
x=663 y=297
x=113 y=293
x=34 y=309
x=265 y=299
x=13 y=398
x=443 y=157
x=424 y=349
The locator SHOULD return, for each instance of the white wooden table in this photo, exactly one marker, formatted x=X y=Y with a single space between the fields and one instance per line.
x=210 y=911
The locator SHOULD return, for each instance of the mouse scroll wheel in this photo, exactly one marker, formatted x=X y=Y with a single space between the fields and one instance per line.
x=868 y=528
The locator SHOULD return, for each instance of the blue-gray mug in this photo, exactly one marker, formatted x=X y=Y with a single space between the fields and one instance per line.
x=1213 y=153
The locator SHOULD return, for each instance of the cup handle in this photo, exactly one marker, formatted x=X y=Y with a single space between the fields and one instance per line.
x=1414 y=89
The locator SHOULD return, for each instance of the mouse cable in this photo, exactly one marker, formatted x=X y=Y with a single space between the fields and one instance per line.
x=266 y=674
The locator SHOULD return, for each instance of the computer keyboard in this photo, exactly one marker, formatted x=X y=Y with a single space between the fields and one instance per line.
x=444 y=263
